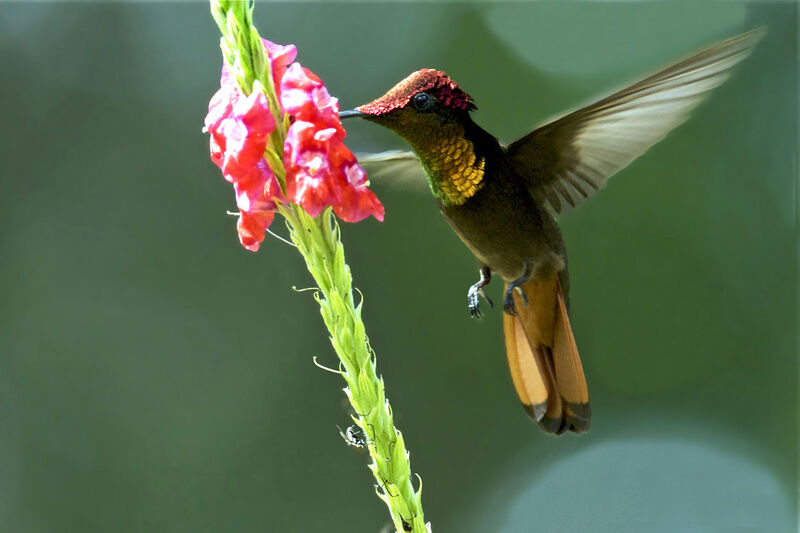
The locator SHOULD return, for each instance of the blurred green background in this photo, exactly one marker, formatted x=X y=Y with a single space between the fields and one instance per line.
x=155 y=376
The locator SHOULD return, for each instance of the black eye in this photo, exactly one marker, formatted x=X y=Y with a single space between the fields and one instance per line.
x=422 y=101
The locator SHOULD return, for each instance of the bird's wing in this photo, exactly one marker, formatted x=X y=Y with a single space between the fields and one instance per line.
x=397 y=167
x=571 y=158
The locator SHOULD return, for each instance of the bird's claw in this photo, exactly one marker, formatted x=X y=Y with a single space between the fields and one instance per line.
x=474 y=305
x=508 y=303
x=476 y=291
x=488 y=300
x=473 y=300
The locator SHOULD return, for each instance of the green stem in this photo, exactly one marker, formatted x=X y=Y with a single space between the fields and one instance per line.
x=318 y=240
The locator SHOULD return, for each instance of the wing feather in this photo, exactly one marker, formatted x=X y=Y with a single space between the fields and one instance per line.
x=398 y=167
x=571 y=158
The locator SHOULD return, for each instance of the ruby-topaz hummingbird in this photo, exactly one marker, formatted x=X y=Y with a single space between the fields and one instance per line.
x=501 y=200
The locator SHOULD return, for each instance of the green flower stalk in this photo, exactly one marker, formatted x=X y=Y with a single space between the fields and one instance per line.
x=319 y=241
x=276 y=136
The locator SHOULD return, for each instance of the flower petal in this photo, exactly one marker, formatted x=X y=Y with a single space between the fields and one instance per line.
x=280 y=56
x=251 y=228
x=304 y=96
x=256 y=195
x=357 y=204
x=320 y=170
x=246 y=131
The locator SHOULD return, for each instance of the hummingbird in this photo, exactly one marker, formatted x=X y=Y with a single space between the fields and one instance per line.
x=502 y=200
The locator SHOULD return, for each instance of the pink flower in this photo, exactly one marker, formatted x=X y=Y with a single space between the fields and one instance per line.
x=239 y=127
x=320 y=170
x=257 y=194
x=280 y=57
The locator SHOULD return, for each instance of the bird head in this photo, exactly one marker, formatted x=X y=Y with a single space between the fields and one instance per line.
x=420 y=102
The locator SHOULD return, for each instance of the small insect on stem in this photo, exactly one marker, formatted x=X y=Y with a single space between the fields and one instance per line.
x=353 y=436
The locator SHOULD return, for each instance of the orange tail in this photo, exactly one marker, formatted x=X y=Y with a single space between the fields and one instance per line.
x=544 y=361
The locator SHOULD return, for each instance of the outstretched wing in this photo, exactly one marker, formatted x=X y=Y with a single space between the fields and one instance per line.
x=397 y=167
x=571 y=158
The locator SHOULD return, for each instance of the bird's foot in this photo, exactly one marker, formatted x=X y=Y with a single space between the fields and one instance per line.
x=475 y=291
x=508 y=303
x=473 y=301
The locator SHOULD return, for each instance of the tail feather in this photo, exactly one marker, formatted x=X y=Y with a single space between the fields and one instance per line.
x=531 y=378
x=544 y=361
x=569 y=371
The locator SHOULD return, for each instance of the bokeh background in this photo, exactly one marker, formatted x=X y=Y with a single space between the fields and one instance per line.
x=155 y=376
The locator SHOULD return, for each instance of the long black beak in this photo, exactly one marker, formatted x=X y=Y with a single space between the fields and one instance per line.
x=351 y=113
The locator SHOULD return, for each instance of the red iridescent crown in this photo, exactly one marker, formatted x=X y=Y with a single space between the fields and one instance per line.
x=435 y=81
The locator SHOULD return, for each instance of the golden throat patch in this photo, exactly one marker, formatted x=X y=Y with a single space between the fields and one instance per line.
x=455 y=173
